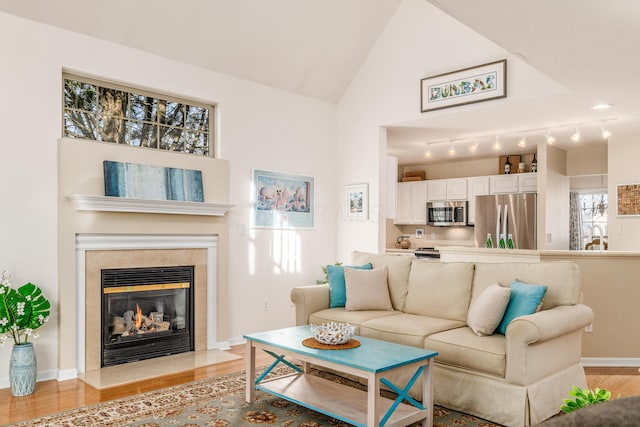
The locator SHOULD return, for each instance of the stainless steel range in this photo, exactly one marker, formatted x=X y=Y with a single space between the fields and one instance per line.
x=426 y=253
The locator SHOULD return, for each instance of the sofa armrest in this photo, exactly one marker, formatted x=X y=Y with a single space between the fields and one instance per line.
x=549 y=324
x=308 y=300
x=545 y=342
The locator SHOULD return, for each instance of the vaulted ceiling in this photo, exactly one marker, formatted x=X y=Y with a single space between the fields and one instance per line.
x=315 y=47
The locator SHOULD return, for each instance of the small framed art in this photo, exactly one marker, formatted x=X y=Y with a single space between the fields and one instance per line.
x=357 y=202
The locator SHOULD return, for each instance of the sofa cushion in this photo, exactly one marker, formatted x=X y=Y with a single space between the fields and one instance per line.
x=367 y=289
x=355 y=318
x=524 y=299
x=561 y=277
x=398 y=273
x=337 y=287
x=407 y=329
x=439 y=289
x=462 y=348
x=486 y=311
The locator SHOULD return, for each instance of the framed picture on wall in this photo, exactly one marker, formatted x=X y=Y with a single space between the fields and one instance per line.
x=628 y=199
x=466 y=86
x=357 y=202
x=282 y=200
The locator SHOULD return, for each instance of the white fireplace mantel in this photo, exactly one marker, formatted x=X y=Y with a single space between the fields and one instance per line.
x=122 y=204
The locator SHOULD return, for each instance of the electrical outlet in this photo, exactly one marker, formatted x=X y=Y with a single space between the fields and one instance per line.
x=589 y=328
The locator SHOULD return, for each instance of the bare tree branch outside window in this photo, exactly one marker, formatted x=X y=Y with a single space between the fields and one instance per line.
x=96 y=111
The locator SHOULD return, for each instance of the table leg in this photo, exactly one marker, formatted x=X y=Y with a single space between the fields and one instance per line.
x=373 y=400
x=427 y=393
x=250 y=372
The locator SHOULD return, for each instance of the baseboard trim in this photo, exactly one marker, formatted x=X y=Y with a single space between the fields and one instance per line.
x=610 y=361
x=67 y=374
x=237 y=341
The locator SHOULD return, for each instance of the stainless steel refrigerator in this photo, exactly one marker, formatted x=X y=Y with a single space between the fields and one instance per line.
x=506 y=214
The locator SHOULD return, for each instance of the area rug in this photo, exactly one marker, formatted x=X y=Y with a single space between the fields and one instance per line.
x=216 y=402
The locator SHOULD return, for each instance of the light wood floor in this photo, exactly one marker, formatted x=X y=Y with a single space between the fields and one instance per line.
x=53 y=396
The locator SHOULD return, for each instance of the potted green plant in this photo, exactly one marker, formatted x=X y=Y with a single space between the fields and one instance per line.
x=22 y=311
x=584 y=397
x=325 y=270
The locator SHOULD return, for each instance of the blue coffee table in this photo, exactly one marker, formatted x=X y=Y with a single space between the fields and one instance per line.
x=373 y=360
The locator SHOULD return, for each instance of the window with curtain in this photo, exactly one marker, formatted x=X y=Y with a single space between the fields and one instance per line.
x=593 y=207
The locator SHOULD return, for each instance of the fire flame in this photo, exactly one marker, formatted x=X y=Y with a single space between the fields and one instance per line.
x=138 y=318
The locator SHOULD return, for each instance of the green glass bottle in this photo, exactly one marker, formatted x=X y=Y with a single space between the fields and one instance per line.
x=510 y=242
x=501 y=243
x=489 y=242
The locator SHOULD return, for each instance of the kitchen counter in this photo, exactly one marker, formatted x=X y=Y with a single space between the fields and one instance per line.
x=456 y=253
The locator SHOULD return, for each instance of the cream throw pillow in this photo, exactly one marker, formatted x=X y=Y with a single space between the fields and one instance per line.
x=367 y=289
x=487 y=310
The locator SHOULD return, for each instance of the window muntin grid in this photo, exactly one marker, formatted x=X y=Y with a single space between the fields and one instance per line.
x=101 y=111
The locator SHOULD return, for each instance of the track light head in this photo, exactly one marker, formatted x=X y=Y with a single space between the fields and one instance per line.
x=523 y=141
x=576 y=135
x=550 y=138
x=427 y=153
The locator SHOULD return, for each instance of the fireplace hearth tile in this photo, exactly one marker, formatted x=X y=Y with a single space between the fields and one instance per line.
x=112 y=376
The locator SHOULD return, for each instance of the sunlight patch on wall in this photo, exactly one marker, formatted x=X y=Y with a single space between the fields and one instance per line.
x=286 y=252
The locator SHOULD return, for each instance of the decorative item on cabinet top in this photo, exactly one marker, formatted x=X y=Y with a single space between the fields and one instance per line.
x=515 y=160
x=413 y=176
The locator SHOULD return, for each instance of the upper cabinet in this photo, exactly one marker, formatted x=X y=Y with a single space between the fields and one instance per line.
x=447 y=189
x=527 y=182
x=513 y=183
x=503 y=184
x=436 y=190
x=478 y=186
x=457 y=189
x=411 y=203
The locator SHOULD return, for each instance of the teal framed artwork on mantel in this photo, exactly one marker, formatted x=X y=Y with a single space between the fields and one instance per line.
x=138 y=181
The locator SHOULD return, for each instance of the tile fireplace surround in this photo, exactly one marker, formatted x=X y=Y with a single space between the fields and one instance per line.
x=94 y=252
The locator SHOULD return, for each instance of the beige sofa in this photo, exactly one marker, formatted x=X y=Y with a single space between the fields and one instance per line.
x=519 y=378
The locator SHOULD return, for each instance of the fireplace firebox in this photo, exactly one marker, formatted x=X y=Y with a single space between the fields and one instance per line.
x=146 y=312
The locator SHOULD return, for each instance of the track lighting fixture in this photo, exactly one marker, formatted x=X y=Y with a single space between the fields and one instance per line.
x=576 y=135
x=474 y=147
x=534 y=134
x=523 y=141
x=427 y=153
x=550 y=138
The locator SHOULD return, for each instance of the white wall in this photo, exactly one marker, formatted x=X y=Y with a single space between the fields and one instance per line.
x=624 y=151
x=259 y=127
x=386 y=91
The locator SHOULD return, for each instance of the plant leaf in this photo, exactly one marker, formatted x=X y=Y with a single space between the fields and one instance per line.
x=39 y=305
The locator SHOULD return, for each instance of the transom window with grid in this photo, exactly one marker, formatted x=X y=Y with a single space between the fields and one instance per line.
x=101 y=111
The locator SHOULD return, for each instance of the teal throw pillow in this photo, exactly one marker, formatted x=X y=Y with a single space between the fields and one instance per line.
x=337 y=286
x=525 y=299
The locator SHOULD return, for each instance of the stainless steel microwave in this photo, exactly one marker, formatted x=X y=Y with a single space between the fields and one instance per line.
x=447 y=214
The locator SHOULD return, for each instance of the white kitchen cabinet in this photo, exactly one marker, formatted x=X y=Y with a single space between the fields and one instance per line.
x=436 y=190
x=527 y=182
x=478 y=186
x=503 y=184
x=457 y=189
x=447 y=189
x=411 y=203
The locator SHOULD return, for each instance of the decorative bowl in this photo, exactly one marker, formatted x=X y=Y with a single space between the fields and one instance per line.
x=333 y=333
